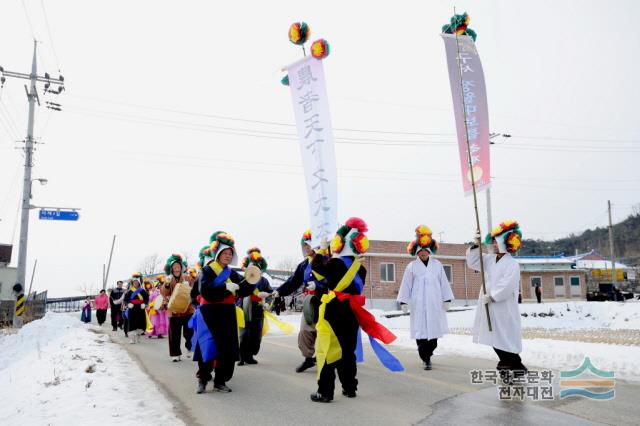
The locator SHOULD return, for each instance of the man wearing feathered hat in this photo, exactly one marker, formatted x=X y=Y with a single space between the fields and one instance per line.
x=253 y=307
x=174 y=269
x=315 y=286
x=342 y=314
x=426 y=289
x=502 y=279
x=215 y=321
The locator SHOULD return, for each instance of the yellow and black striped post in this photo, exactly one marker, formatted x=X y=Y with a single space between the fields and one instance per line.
x=20 y=305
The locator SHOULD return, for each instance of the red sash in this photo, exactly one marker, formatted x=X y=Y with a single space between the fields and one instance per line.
x=228 y=300
x=365 y=318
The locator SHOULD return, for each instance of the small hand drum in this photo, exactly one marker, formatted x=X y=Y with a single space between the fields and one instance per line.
x=252 y=274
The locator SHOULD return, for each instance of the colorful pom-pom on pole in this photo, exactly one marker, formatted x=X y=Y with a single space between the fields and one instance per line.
x=320 y=49
x=299 y=33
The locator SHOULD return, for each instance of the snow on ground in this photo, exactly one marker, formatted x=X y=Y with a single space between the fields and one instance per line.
x=541 y=353
x=573 y=315
x=56 y=371
x=547 y=353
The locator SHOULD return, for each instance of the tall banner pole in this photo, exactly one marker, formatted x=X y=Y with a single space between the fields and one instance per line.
x=477 y=162
x=313 y=122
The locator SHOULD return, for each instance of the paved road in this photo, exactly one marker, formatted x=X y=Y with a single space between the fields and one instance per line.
x=272 y=393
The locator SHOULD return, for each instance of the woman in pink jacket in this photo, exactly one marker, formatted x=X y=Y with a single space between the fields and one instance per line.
x=101 y=303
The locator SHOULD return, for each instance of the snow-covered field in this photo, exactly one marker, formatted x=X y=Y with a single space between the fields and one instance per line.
x=574 y=315
x=56 y=371
x=624 y=360
x=548 y=353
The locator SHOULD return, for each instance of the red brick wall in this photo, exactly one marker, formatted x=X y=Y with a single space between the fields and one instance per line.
x=376 y=289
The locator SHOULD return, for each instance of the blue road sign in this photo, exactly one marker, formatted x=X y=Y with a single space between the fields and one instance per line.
x=58 y=215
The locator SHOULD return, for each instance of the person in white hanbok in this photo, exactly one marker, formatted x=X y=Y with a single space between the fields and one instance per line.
x=502 y=279
x=426 y=290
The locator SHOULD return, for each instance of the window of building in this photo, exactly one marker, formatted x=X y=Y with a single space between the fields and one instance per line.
x=559 y=286
x=448 y=270
x=387 y=272
x=536 y=282
x=575 y=281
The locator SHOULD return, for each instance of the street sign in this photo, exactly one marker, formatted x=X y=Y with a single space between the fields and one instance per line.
x=58 y=215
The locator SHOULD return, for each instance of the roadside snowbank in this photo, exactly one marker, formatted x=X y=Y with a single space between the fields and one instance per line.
x=56 y=371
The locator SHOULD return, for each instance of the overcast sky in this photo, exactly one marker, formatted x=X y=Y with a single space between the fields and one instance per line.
x=168 y=133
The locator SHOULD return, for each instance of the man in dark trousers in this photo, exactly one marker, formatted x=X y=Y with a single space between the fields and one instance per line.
x=115 y=303
x=314 y=286
x=539 y=294
x=216 y=327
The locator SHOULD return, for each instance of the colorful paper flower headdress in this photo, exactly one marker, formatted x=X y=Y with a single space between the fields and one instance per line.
x=254 y=257
x=175 y=258
x=459 y=25
x=423 y=241
x=507 y=235
x=350 y=239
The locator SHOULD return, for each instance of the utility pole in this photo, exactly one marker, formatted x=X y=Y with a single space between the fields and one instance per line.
x=106 y=276
x=613 y=258
x=32 y=97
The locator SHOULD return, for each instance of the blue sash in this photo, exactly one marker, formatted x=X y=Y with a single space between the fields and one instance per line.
x=136 y=293
x=357 y=280
x=386 y=358
x=223 y=277
x=202 y=338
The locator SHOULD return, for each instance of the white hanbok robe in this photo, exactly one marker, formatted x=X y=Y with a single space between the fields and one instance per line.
x=424 y=289
x=503 y=285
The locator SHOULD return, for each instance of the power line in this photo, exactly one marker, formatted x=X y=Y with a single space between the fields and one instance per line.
x=387 y=132
x=46 y=20
x=26 y=14
x=268 y=134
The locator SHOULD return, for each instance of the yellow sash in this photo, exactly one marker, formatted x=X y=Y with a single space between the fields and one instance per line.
x=217 y=268
x=327 y=345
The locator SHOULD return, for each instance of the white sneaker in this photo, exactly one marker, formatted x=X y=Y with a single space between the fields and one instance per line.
x=176 y=358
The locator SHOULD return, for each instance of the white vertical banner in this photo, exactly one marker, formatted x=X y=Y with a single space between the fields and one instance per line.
x=313 y=121
x=467 y=85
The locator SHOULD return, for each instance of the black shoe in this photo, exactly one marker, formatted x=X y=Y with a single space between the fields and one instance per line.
x=427 y=365
x=251 y=361
x=317 y=397
x=241 y=363
x=201 y=387
x=307 y=363
x=161 y=337
x=349 y=394
x=221 y=388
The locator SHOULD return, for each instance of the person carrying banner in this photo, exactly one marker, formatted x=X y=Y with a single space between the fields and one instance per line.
x=342 y=313
x=136 y=300
x=315 y=286
x=215 y=322
x=179 y=314
x=115 y=301
x=254 y=306
x=502 y=274
x=426 y=290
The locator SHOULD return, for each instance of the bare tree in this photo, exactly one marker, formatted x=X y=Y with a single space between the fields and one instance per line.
x=150 y=264
x=287 y=264
x=87 y=289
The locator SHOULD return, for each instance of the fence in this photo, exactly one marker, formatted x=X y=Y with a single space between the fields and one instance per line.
x=35 y=308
